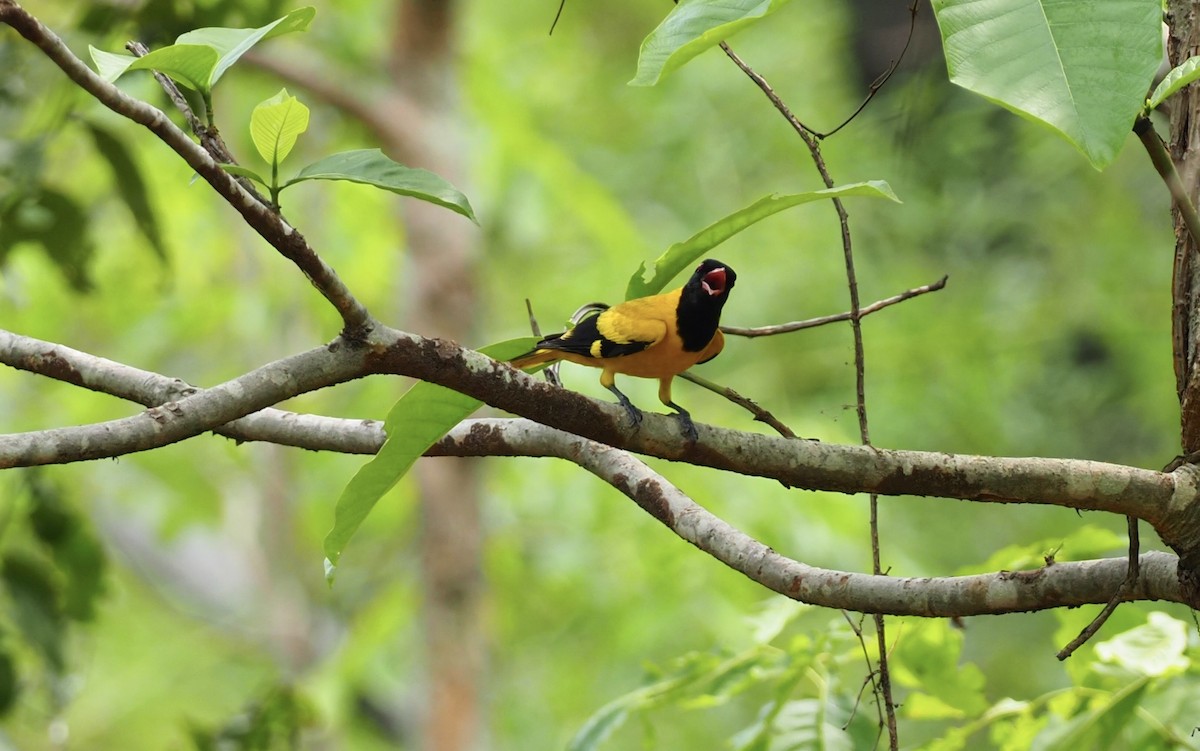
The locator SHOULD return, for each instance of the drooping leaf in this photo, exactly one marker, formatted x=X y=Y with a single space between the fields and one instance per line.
x=36 y=609
x=59 y=225
x=191 y=65
x=681 y=255
x=275 y=124
x=372 y=167
x=425 y=413
x=1180 y=76
x=130 y=186
x=231 y=44
x=1082 y=68
x=692 y=27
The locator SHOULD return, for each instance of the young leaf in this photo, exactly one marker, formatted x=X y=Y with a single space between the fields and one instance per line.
x=681 y=255
x=231 y=44
x=110 y=65
x=424 y=414
x=238 y=170
x=275 y=124
x=191 y=65
x=1154 y=649
x=1179 y=77
x=1081 y=68
x=372 y=167
x=691 y=28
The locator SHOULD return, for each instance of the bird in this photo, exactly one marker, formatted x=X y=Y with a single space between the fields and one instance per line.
x=658 y=336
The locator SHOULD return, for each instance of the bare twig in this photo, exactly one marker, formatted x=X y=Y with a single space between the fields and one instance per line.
x=814 y=148
x=883 y=78
x=749 y=405
x=1132 y=570
x=809 y=323
x=551 y=372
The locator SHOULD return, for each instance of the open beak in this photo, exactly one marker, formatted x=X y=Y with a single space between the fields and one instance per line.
x=713 y=282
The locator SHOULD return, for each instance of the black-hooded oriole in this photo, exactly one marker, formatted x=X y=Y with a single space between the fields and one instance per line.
x=659 y=336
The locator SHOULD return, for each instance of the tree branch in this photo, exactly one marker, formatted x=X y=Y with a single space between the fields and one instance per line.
x=271 y=226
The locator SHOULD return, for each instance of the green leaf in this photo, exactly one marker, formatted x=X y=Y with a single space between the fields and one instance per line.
x=600 y=726
x=110 y=65
x=1153 y=649
x=1179 y=77
x=1082 y=68
x=191 y=65
x=199 y=58
x=692 y=27
x=683 y=254
x=1099 y=726
x=130 y=186
x=238 y=170
x=275 y=124
x=372 y=167
x=231 y=44
x=423 y=415
x=928 y=660
x=35 y=598
x=57 y=223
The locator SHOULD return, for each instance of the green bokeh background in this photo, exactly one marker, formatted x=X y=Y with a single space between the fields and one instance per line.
x=1052 y=338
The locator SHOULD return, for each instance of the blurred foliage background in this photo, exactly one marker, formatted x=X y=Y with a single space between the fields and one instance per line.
x=179 y=593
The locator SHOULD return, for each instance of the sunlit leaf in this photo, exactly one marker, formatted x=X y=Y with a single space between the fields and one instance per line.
x=372 y=167
x=238 y=170
x=1153 y=649
x=1082 y=68
x=1180 y=76
x=231 y=44
x=1098 y=726
x=110 y=65
x=275 y=124
x=191 y=65
x=682 y=255
x=928 y=660
x=692 y=27
x=425 y=413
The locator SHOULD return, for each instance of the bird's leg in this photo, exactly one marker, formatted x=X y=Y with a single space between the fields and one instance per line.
x=635 y=414
x=685 y=422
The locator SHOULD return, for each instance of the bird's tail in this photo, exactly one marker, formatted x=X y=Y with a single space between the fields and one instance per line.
x=536 y=357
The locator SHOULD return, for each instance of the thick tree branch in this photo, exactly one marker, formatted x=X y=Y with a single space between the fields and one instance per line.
x=1155 y=497
x=285 y=238
x=1061 y=584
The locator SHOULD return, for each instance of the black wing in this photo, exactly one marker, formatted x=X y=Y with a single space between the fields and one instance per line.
x=584 y=338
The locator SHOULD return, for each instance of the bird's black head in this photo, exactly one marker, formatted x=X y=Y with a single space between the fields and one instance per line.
x=701 y=301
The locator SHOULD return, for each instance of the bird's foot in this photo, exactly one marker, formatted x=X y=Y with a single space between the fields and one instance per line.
x=687 y=426
x=635 y=416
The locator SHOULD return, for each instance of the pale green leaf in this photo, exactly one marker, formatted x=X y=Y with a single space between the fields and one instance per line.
x=110 y=65
x=1081 y=68
x=1179 y=77
x=425 y=413
x=231 y=44
x=692 y=27
x=1099 y=725
x=681 y=255
x=275 y=124
x=372 y=167
x=190 y=65
x=1153 y=649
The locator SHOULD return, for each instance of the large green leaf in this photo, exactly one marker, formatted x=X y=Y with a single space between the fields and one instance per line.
x=1153 y=649
x=424 y=414
x=692 y=27
x=372 y=167
x=191 y=65
x=1099 y=725
x=683 y=254
x=231 y=44
x=275 y=124
x=130 y=186
x=199 y=58
x=1082 y=68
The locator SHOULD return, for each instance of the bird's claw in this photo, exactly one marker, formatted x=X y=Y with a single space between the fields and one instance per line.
x=687 y=426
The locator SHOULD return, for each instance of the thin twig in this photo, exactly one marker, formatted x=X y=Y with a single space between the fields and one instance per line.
x=883 y=78
x=551 y=373
x=808 y=136
x=1130 y=581
x=809 y=323
x=760 y=414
